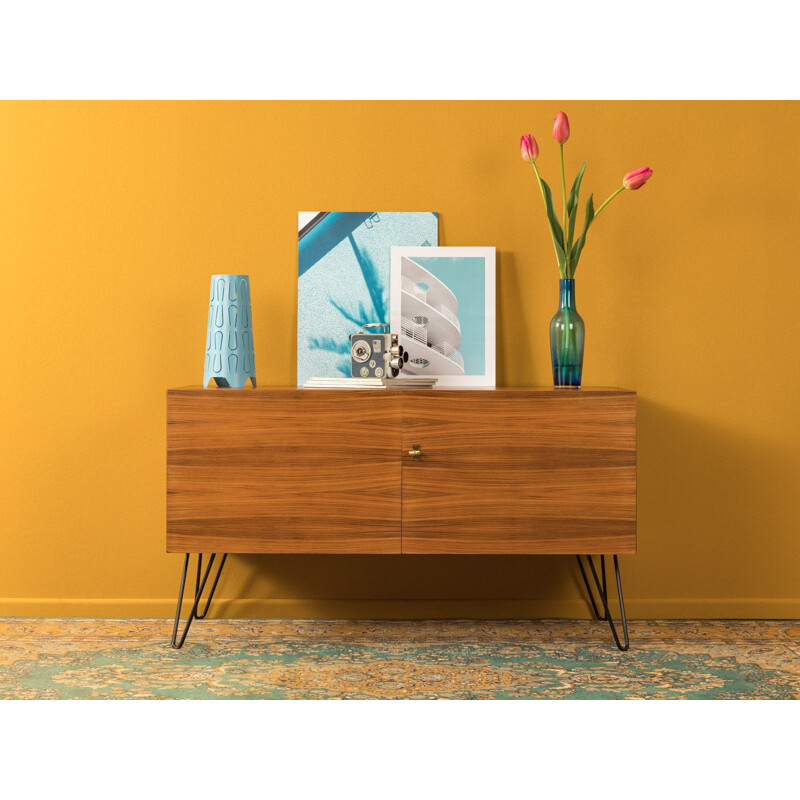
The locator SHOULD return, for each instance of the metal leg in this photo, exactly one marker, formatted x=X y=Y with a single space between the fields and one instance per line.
x=213 y=586
x=602 y=591
x=199 y=588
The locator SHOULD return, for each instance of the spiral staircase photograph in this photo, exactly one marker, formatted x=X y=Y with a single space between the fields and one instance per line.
x=429 y=328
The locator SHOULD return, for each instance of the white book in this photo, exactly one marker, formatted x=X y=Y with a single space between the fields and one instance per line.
x=370 y=383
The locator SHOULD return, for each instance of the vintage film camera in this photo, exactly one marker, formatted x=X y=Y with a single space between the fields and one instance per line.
x=376 y=355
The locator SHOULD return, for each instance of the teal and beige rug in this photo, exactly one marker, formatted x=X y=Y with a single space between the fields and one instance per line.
x=442 y=659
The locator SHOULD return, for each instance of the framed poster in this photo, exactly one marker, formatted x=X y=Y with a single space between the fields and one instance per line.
x=343 y=276
x=443 y=307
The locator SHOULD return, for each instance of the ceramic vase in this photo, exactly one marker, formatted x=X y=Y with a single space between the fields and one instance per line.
x=229 y=342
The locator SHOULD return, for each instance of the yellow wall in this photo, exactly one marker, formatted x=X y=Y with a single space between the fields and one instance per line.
x=113 y=215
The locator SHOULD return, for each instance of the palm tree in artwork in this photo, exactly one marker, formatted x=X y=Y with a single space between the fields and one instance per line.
x=361 y=314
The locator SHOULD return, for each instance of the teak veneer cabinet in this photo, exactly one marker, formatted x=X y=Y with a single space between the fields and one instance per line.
x=499 y=471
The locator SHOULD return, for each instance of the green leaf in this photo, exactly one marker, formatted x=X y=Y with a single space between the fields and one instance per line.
x=562 y=259
x=578 y=249
x=571 y=228
x=572 y=200
x=572 y=205
x=555 y=225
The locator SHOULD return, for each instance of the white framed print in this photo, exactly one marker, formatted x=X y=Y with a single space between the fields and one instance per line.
x=443 y=309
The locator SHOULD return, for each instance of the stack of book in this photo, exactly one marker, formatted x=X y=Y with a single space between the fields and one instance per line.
x=370 y=383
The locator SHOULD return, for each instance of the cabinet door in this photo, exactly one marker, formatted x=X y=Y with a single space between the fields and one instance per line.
x=516 y=471
x=283 y=471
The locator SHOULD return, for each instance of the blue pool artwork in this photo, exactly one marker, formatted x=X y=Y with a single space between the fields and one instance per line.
x=344 y=269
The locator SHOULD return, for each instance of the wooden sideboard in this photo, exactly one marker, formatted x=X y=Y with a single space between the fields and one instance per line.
x=500 y=471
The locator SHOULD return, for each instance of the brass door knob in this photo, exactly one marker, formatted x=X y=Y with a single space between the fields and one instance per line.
x=416 y=452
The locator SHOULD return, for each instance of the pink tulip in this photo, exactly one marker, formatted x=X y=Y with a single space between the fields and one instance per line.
x=528 y=148
x=637 y=178
x=561 y=128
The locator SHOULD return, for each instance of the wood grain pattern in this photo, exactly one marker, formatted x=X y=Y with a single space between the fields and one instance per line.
x=520 y=472
x=288 y=470
x=283 y=471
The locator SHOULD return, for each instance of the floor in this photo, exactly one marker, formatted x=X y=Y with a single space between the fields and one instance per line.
x=351 y=659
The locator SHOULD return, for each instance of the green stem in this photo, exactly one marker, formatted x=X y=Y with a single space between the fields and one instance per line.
x=564 y=196
x=544 y=202
x=541 y=188
x=607 y=201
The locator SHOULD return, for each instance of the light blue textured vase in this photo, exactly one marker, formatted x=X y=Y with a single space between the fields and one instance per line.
x=229 y=342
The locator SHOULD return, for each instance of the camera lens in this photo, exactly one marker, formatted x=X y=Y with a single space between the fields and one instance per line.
x=360 y=351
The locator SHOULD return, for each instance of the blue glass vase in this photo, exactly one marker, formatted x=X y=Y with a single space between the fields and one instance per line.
x=566 y=339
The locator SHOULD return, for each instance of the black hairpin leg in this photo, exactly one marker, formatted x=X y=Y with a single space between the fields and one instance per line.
x=213 y=586
x=602 y=591
x=200 y=586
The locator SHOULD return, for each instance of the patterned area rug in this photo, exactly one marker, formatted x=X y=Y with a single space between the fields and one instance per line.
x=428 y=659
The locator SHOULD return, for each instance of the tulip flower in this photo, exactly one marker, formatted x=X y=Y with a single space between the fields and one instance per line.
x=528 y=148
x=568 y=243
x=633 y=180
x=561 y=134
x=561 y=128
x=637 y=178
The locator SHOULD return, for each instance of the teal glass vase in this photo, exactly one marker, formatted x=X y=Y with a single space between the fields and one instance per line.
x=566 y=339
